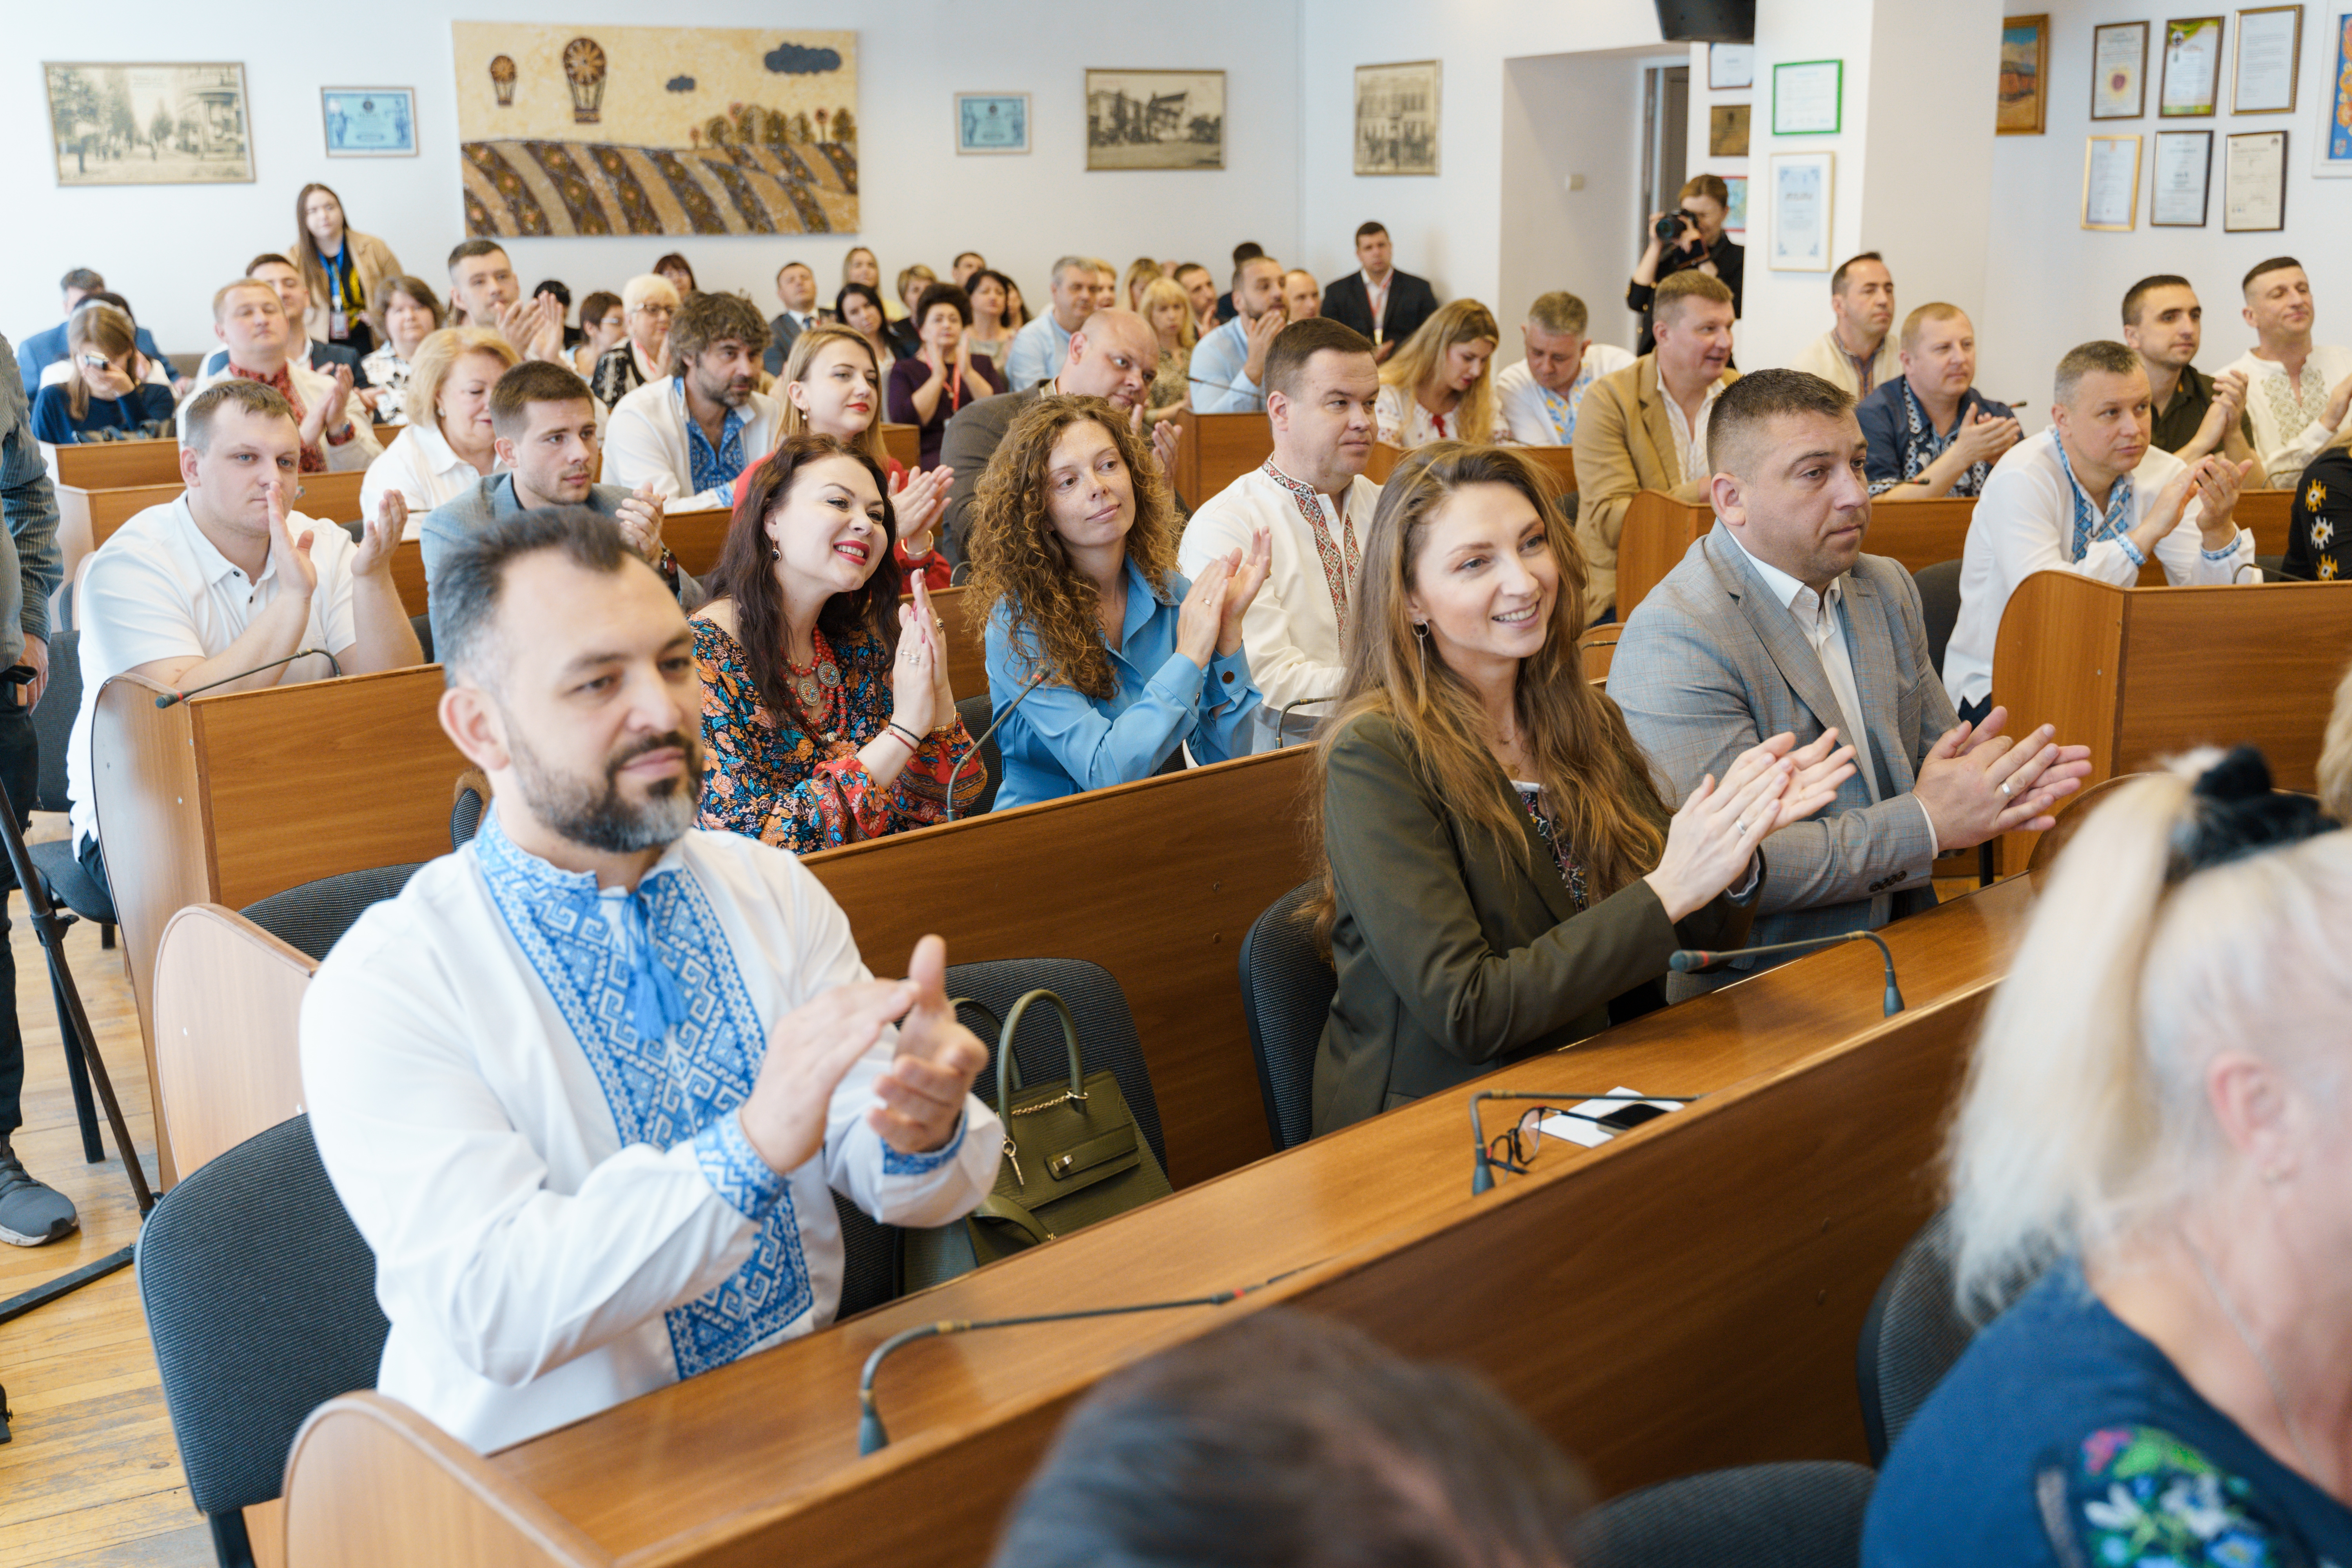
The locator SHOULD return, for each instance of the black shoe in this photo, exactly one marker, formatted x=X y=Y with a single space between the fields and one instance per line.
x=32 y=1214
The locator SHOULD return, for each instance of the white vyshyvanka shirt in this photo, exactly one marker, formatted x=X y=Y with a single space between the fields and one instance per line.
x=565 y=1216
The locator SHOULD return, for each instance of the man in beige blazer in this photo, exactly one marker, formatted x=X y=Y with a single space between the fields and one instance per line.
x=1644 y=427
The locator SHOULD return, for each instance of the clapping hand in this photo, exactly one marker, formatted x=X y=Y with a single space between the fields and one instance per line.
x=917 y=498
x=2218 y=481
x=1712 y=839
x=1246 y=575
x=1977 y=784
x=915 y=678
x=640 y=518
x=379 y=534
x=300 y=572
x=922 y=1093
x=1200 y=620
x=1983 y=437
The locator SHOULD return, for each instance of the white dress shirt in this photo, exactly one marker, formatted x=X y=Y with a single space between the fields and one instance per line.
x=645 y=444
x=1292 y=628
x=565 y=1213
x=1536 y=417
x=2024 y=522
x=2289 y=428
x=1690 y=435
x=1220 y=372
x=1405 y=423
x=423 y=467
x=159 y=589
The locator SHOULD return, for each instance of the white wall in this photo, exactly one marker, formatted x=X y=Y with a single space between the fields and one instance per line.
x=1565 y=115
x=167 y=248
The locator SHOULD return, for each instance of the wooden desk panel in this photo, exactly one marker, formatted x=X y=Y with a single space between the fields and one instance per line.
x=904 y=442
x=1658 y=531
x=1687 y=1296
x=1558 y=464
x=696 y=538
x=112 y=465
x=407 y=568
x=1227 y=447
x=331 y=498
x=228 y=1000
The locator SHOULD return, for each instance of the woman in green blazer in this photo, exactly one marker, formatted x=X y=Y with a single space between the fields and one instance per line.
x=1498 y=863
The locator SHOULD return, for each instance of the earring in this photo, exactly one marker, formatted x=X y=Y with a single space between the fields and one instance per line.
x=775 y=551
x=1420 y=646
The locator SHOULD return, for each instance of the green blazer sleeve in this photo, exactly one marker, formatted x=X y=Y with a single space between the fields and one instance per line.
x=1454 y=954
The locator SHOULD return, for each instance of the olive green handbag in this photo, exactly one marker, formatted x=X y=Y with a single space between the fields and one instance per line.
x=1073 y=1155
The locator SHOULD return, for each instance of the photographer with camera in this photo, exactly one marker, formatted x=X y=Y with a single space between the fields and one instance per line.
x=1689 y=237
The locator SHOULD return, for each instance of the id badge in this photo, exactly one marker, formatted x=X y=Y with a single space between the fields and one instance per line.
x=339 y=324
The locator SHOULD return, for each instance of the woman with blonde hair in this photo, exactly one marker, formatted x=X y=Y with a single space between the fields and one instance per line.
x=2155 y=1123
x=648 y=304
x=107 y=396
x=1118 y=658
x=1436 y=387
x=405 y=312
x=340 y=268
x=1140 y=272
x=1166 y=307
x=1499 y=865
x=448 y=446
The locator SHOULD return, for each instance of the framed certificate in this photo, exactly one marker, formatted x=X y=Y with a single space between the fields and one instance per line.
x=2119 y=70
x=991 y=122
x=369 y=122
x=2253 y=185
x=2332 y=147
x=2270 y=45
x=2181 y=180
x=2111 y=182
x=2192 y=68
x=1730 y=66
x=1808 y=98
x=1802 y=208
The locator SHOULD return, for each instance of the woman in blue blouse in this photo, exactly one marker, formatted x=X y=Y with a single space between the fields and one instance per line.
x=1073 y=553
x=107 y=397
x=2157 y=1112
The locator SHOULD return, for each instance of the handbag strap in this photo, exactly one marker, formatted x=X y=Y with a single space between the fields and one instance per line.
x=1076 y=1093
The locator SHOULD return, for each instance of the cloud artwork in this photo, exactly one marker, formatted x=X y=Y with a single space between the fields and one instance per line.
x=679 y=84
x=798 y=59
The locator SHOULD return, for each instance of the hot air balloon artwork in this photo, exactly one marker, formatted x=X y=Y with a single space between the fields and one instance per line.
x=584 y=67
x=502 y=79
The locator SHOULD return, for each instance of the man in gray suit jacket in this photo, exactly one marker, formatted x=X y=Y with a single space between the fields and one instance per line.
x=1776 y=620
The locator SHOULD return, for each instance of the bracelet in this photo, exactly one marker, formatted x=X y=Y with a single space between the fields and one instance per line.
x=912 y=740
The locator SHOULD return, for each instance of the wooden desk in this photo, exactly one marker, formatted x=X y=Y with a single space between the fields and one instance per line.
x=696 y=538
x=904 y=442
x=1558 y=464
x=229 y=798
x=407 y=566
x=2137 y=674
x=1687 y=1297
x=1213 y=450
x=113 y=465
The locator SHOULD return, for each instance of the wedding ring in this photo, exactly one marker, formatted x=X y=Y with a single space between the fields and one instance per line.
x=2004 y=789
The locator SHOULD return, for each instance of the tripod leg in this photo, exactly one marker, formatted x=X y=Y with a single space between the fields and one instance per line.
x=93 y=1150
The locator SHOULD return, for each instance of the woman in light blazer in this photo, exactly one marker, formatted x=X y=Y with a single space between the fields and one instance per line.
x=342 y=268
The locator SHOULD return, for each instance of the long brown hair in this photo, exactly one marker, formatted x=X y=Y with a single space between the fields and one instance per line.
x=746 y=573
x=1598 y=788
x=104 y=329
x=306 y=260
x=1017 y=558
x=1423 y=356
x=815 y=336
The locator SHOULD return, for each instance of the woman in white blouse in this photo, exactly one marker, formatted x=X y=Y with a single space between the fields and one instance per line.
x=405 y=313
x=449 y=447
x=1436 y=387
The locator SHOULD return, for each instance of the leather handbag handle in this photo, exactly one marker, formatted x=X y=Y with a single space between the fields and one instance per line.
x=1076 y=1091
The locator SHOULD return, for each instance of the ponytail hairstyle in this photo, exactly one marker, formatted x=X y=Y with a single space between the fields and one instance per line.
x=2194 y=913
x=1597 y=785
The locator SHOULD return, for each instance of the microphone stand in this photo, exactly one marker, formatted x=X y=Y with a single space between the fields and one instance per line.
x=1691 y=961
x=1482 y=1173
x=169 y=698
x=1282 y=718
x=1036 y=681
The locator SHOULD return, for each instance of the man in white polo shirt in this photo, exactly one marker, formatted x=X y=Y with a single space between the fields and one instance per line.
x=1313 y=501
x=2092 y=494
x=222 y=586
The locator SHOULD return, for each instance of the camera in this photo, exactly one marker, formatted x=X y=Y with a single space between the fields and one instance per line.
x=1669 y=226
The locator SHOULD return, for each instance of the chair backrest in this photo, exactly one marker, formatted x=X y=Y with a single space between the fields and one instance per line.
x=422 y=627
x=1107 y=1036
x=1286 y=991
x=2075 y=812
x=1913 y=1334
x=465 y=817
x=1940 y=605
x=977 y=714
x=53 y=720
x=1800 y=1515
x=260 y=1297
x=314 y=916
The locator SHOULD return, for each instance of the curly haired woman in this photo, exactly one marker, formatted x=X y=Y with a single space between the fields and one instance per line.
x=826 y=713
x=1074 y=564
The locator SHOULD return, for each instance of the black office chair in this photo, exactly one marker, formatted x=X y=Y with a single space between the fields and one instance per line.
x=314 y=916
x=260 y=1298
x=976 y=714
x=1107 y=1036
x=1913 y=1335
x=1287 y=990
x=1798 y=1515
x=422 y=627
x=466 y=812
x=1940 y=605
x=72 y=890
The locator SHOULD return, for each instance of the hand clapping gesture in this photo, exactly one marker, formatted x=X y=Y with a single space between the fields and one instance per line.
x=378 y=535
x=640 y=518
x=1247 y=575
x=1982 y=438
x=917 y=497
x=1712 y=839
x=917 y=676
x=300 y=573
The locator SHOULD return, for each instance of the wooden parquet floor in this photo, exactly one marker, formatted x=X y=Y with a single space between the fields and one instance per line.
x=92 y=1476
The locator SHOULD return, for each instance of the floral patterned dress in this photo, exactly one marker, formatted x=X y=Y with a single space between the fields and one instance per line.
x=765 y=779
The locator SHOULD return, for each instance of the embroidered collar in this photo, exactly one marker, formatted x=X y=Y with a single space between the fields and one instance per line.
x=2090 y=527
x=1339 y=560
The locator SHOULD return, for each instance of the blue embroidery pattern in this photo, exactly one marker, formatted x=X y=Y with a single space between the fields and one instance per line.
x=2089 y=527
x=665 y=1091
x=712 y=469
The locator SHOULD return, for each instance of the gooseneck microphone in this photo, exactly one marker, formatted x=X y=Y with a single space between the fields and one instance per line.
x=871 y=1437
x=171 y=697
x=1482 y=1170
x=1036 y=681
x=1282 y=717
x=1692 y=960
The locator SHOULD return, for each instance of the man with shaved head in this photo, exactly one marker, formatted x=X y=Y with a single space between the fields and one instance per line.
x=1776 y=620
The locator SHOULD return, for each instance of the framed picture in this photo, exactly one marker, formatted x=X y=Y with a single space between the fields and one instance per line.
x=1808 y=98
x=1730 y=67
x=1396 y=117
x=2270 y=49
x=2119 y=70
x=2253 y=184
x=369 y=122
x=1155 y=120
x=2111 y=182
x=2181 y=179
x=1727 y=130
x=2192 y=68
x=991 y=122
x=149 y=124
x=1734 y=218
x=1802 y=205
x=2332 y=149
x=2024 y=102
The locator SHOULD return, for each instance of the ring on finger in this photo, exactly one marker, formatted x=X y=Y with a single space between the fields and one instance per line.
x=2005 y=791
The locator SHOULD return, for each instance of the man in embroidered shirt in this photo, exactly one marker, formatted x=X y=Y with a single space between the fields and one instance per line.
x=1856 y=355
x=587 y=1087
x=689 y=434
x=295 y=295
x=1229 y=364
x=2090 y=495
x=1312 y=501
x=2195 y=413
x=1541 y=395
x=251 y=319
x=1776 y=621
x=1931 y=432
x=2297 y=391
x=1039 y=348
